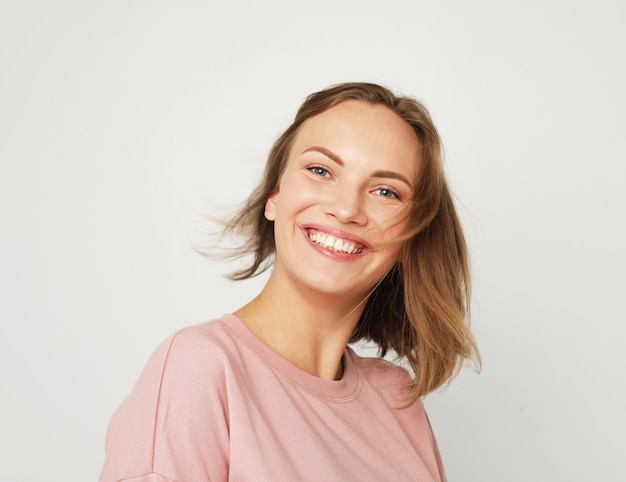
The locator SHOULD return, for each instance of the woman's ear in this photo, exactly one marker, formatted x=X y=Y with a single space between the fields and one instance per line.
x=270 y=206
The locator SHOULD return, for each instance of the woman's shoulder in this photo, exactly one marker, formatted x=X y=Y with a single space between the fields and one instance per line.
x=385 y=376
x=203 y=346
x=375 y=366
x=215 y=332
x=179 y=395
x=186 y=369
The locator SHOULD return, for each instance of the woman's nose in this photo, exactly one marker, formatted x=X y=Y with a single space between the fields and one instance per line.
x=346 y=205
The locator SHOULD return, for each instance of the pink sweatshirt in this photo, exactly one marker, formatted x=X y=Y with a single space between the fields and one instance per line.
x=214 y=403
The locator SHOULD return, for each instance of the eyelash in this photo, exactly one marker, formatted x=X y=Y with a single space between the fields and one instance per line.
x=323 y=172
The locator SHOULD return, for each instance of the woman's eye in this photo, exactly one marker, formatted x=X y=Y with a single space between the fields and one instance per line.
x=320 y=171
x=387 y=193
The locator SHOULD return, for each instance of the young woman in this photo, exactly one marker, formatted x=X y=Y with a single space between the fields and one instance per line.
x=355 y=216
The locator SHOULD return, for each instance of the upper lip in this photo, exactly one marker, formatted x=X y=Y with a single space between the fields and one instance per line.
x=337 y=233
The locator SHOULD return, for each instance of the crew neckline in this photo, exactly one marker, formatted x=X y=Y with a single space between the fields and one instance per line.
x=345 y=389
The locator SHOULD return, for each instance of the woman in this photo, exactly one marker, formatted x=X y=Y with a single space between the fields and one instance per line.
x=355 y=215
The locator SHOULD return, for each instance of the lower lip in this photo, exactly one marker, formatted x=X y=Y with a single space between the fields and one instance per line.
x=331 y=253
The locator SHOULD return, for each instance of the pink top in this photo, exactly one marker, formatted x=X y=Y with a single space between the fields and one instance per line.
x=214 y=403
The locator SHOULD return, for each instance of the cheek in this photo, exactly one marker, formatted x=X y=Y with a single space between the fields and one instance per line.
x=298 y=195
x=283 y=208
x=394 y=223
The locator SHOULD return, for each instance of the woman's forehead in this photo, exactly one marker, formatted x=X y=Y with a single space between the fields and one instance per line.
x=358 y=130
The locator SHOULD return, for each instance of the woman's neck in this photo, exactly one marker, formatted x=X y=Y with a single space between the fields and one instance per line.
x=308 y=329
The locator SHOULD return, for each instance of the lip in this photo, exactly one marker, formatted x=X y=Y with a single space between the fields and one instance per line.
x=337 y=233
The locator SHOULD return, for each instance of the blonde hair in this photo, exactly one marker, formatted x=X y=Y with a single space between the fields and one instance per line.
x=420 y=309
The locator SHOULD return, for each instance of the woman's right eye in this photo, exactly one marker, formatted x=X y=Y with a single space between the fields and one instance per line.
x=319 y=171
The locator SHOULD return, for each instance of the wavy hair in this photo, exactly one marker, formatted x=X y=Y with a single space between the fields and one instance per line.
x=420 y=310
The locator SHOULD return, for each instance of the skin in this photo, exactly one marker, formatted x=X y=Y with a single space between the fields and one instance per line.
x=349 y=175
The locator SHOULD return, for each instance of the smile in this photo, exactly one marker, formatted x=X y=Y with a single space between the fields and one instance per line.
x=329 y=241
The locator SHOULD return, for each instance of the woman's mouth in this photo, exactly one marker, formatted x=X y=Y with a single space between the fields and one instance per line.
x=334 y=243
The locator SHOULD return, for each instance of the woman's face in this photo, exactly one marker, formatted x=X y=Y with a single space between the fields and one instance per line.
x=344 y=197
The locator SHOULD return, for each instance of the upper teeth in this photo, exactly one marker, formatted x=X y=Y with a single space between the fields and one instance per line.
x=337 y=244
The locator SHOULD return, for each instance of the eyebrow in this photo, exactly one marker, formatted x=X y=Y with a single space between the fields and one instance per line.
x=328 y=153
x=334 y=157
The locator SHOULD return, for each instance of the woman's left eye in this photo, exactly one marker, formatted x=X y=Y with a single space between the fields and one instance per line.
x=387 y=193
x=320 y=171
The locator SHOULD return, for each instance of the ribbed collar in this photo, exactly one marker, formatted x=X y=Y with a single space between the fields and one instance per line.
x=344 y=390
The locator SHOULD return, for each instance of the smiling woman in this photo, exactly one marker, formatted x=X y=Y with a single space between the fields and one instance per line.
x=354 y=214
x=341 y=163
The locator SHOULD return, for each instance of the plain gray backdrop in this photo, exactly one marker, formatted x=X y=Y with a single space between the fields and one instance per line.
x=124 y=123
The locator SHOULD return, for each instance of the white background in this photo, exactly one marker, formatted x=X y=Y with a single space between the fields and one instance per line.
x=123 y=123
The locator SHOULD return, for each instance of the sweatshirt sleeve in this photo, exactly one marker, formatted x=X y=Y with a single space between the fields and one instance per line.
x=173 y=427
x=442 y=472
